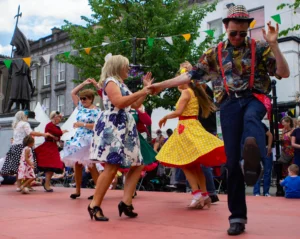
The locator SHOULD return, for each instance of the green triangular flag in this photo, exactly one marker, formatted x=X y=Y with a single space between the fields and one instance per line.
x=150 y=41
x=276 y=18
x=67 y=53
x=7 y=63
x=210 y=32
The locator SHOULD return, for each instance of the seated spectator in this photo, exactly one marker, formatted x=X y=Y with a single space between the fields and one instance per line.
x=169 y=133
x=159 y=141
x=292 y=182
x=86 y=175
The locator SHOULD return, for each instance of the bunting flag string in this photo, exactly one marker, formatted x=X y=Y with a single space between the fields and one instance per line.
x=169 y=40
x=149 y=40
x=187 y=37
x=277 y=18
x=47 y=58
x=210 y=32
x=252 y=24
x=87 y=50
x=7 y=63
x=67 y=53
x=27 y=60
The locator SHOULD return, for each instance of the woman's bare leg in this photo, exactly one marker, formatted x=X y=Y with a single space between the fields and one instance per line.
x=48 y=179
x=199 y=175
x=78 y=177
x=190 y=176
x=103 y=183
x=94 y=172
x=132 y=177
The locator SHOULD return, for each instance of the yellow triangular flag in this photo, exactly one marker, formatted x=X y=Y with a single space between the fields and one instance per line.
x=293 y=111
x=187 y=36
x=27 y=60
x=87 y=50
x=252 y=24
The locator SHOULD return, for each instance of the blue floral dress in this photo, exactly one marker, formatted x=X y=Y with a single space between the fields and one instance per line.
x=116 y=139
x=77 y=149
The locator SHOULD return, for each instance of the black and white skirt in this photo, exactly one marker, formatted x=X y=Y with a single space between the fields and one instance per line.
x=12 y=160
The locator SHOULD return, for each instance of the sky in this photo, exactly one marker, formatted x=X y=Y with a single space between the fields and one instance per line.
x=38 y=17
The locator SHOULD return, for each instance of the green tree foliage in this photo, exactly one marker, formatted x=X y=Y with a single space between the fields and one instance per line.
x=118 y=22
x=293 y=6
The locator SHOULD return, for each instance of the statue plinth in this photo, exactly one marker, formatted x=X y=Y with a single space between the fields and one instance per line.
x=6 y=131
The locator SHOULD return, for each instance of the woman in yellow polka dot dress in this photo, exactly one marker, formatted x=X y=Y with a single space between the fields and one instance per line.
x=191 y=145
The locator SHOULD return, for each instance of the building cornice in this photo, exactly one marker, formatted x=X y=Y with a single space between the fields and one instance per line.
x=289 y=38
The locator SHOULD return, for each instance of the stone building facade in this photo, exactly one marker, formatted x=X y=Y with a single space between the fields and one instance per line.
x=53 y=80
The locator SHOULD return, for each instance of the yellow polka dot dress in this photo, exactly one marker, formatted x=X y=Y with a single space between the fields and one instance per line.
x=191 y=143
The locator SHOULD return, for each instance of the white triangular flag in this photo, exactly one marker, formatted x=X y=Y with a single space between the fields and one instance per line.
x=109 y=55
x=169 y=40
x=105 y=43
x=47 y=58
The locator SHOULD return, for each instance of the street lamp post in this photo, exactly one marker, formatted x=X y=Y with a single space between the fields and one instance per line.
x=277 y=165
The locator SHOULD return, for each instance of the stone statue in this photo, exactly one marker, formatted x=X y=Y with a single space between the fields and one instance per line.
x=21 y=88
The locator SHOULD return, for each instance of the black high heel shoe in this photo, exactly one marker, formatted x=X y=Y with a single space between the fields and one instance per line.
x=74 y=195
x=128 y=210
x=93 y=214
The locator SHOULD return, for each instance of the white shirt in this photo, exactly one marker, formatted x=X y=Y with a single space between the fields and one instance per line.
x=21 y=131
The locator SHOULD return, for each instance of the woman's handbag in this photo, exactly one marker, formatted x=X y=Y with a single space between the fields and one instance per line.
x=284 y=158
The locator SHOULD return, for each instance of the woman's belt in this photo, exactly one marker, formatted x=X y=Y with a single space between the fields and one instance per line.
x=50 y=140
x=195 y=117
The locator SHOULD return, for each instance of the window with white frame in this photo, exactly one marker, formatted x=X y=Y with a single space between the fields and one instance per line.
x=61 y=72
x=34 y=77
x=46 y=105
x=259 y=16
x=61 y=103
x=32 y=105
x=216 y=25
x=47 y=74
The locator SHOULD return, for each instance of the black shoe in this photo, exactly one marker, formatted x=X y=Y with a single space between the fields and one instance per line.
x=214 y=198
x=91 y=197
x=251 y=156
x=93 y=214
x=74 y=196
x=236 y=229
x=128 y=210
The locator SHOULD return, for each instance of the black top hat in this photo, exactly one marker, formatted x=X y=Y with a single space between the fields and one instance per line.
x=239 y=13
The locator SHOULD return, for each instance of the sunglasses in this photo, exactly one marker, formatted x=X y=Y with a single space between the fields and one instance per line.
x=234 y=33
x=83 y=98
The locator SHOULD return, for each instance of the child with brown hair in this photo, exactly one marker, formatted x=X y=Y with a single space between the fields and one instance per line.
x=292 y=182
x=26 y=167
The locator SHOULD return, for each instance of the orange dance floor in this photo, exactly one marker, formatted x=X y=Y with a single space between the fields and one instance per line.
x=161 y=215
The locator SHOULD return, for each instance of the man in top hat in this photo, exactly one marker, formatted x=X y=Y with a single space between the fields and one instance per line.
x=241 y=92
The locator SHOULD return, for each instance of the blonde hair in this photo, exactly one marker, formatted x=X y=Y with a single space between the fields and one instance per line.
x=53 y=114
x=113 y=67
x=19 y=116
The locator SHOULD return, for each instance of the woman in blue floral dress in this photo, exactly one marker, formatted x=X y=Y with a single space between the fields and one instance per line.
x=76 y=151
x=116 y=142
